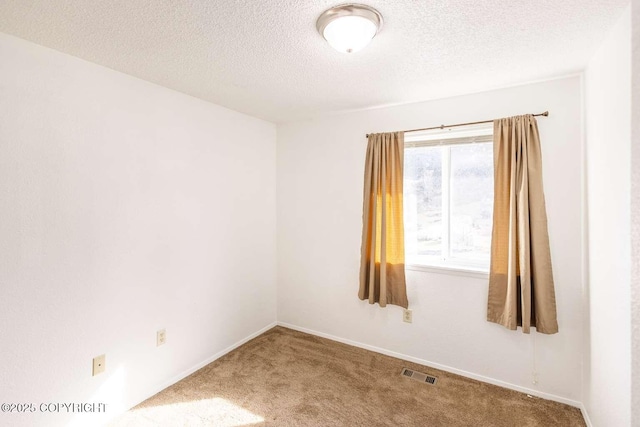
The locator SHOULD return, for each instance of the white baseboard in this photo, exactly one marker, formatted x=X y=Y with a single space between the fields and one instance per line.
x=456 y=371
x=585 y=415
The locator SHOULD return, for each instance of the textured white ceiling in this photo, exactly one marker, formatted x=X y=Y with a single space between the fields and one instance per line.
x=265 y=58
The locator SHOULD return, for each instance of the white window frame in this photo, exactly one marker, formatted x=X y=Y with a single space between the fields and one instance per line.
x=482 y=133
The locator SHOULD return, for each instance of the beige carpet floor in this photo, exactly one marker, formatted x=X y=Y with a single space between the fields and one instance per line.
x=288 y=378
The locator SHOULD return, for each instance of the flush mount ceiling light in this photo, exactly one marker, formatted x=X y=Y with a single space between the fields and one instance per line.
x=349 y=27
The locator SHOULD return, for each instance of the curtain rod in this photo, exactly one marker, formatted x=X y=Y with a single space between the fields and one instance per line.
x=546 y=113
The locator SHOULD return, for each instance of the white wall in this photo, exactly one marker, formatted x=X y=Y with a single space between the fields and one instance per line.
x=320 y=172
x=635 y=214
x=124 y=208
x=607 y=107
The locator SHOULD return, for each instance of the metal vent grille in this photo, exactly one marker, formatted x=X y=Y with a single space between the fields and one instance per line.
x=419 y=376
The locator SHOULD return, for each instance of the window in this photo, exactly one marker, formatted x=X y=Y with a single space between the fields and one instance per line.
x=448 y=198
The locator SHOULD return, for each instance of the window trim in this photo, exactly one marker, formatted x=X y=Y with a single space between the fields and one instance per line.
x=449 y=270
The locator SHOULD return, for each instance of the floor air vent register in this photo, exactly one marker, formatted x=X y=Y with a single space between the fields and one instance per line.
x=419 y=376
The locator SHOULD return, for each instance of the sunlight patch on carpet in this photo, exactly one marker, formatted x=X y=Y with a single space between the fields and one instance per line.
x=220 y=412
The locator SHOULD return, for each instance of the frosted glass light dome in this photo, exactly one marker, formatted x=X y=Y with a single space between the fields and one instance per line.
x=350 y=33
x=349 y=28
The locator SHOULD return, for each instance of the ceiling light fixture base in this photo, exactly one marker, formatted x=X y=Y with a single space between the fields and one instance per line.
x=349 y=27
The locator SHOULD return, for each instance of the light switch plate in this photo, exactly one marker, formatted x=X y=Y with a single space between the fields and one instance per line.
x=99 y=364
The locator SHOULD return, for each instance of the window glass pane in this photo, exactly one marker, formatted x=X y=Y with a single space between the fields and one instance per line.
x=471 y=203
x=423 y=203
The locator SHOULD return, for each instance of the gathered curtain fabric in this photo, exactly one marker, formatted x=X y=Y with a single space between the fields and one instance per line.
x=382 y=277
x=521 y=289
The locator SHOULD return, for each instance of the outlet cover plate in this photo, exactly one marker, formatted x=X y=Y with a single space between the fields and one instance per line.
x=99 y=364
x=161 y=337
x=407 y=315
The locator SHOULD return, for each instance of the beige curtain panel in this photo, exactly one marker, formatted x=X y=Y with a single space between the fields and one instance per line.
x=521 y=290
x=382 y=278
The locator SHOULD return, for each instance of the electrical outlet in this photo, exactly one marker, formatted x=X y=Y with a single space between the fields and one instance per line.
x=407 y=316
x=161 y=337
x=99 y=364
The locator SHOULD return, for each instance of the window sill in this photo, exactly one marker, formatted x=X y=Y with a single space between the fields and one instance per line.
x=450 y=270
